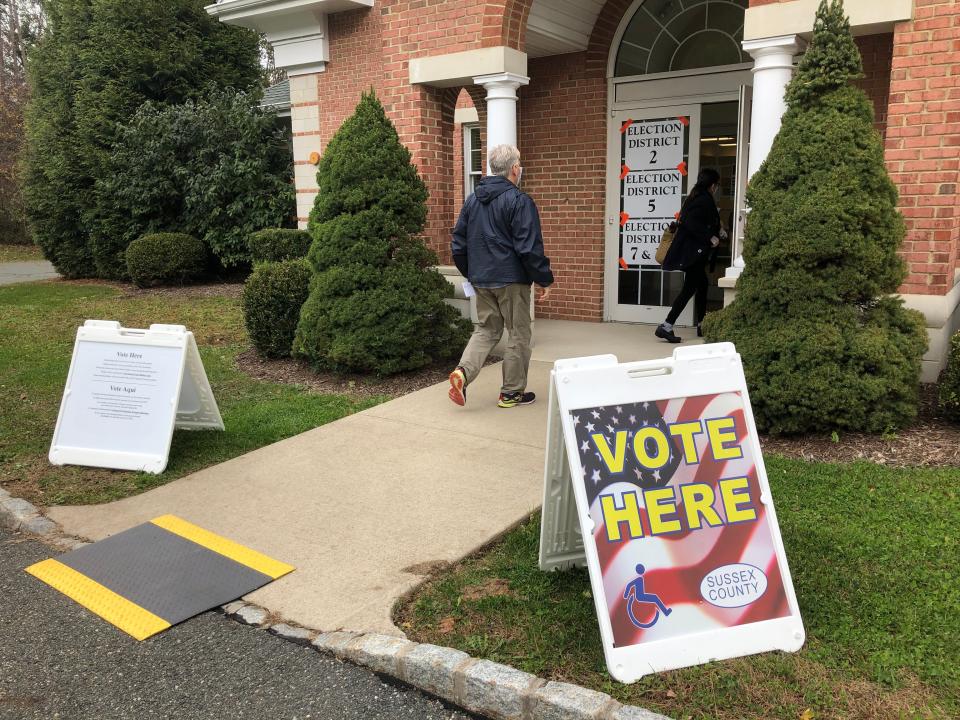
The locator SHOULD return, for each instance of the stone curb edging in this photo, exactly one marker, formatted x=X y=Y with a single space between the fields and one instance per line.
x=481 y=687
x=17 y=514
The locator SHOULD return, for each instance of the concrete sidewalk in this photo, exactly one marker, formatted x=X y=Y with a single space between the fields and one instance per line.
x=364 y=507
x=21 y=272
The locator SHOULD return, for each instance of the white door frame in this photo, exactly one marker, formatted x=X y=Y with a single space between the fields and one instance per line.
x=743 y=162
x=640 y=313
x=664 y=90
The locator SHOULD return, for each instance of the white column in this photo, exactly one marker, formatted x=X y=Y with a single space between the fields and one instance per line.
x=501 y=107
x=772 y=71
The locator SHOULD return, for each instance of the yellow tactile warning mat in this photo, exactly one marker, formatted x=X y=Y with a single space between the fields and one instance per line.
x=154 y=575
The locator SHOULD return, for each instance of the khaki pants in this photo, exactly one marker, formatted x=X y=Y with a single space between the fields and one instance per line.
x=498 y=308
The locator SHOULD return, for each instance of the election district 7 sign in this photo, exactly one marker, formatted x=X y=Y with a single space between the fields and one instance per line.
x=676 y=521
x=653 y=157
x=126 y=391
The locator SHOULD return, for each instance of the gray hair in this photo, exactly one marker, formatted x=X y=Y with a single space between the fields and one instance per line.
x=502 y=158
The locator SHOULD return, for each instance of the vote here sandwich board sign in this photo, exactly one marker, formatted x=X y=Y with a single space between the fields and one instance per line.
x=126 y=391
x=670 y=510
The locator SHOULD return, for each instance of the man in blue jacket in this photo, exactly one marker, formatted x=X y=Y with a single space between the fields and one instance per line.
x=498 y=247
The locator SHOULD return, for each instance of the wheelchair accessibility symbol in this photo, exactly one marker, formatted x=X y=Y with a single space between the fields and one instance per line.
x=635 y=594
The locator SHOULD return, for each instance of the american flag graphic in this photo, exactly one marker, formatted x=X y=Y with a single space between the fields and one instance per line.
x=676 y=564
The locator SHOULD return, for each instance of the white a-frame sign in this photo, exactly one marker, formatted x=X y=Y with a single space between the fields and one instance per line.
x=126 y=391
x=670 y=510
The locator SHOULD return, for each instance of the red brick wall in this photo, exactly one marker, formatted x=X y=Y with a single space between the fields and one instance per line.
x=923 y=141
x=877 y=54
x=354 y=67
x=505 y=23
x=563 y=148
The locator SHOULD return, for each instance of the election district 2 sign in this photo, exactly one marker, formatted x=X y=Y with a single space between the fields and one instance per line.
x=676 y=519
x=653 y=173
x=126 y=391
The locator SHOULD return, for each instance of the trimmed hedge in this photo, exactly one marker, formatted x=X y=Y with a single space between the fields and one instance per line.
x=165 y=259
x=272 y=299
x=825 y=343
x=949 y=391
x=277 y=244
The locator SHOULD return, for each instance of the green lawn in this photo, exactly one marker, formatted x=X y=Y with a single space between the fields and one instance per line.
x=37 y=328
x=874 y=555
x=19 y=253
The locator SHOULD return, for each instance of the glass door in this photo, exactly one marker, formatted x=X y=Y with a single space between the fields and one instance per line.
x=720 y=147
x=653 y=168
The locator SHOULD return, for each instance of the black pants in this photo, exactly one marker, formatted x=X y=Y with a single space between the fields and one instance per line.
x=694 y=286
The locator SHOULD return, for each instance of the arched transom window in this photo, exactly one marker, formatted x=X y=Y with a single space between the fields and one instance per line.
x=672 y=35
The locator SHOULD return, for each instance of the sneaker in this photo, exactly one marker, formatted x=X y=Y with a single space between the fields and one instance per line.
x=509 y=400
x=458 y=386
x=662 y=332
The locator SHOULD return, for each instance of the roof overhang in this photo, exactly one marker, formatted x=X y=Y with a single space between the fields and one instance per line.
x=556 y=27
x=297 y=29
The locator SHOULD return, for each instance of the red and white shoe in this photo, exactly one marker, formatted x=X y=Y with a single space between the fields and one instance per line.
x=458 y=386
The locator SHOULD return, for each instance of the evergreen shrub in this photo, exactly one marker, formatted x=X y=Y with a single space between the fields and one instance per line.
x=376 y=303
x=824 y=344
x=272 y=298
x=949 y=385
x=276 y=244
x=218 y=168
x=93 y=67
x=165 y=259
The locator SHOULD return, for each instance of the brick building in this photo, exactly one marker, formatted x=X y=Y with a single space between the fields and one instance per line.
x=614 y=105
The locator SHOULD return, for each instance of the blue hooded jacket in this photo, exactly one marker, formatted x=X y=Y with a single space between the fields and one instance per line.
x=497 y=238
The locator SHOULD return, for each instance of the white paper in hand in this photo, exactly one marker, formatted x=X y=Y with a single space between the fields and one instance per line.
x=468 y=290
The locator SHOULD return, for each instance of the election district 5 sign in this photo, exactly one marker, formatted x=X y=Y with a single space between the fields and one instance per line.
x=676 y=520
x=653 y=171
x=125 y=392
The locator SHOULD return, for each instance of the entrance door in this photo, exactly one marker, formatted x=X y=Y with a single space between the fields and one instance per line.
x=652 y=168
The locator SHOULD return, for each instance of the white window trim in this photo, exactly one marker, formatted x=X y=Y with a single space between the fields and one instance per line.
x=467 y=147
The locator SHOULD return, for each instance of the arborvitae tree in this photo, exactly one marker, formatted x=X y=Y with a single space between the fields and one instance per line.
x=98 y=62
x=376 y=305
x=824 y=344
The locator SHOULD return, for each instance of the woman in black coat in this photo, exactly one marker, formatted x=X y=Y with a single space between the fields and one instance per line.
x=699 y=231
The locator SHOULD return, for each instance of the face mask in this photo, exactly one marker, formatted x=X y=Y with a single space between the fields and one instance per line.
x=519 y=175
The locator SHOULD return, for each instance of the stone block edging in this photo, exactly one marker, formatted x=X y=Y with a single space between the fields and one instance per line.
x=481 y=687
x=17 y=514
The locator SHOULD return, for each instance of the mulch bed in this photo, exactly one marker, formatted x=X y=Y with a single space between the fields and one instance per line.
x=215 y=289
x=295 y=372
x=931 y=441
